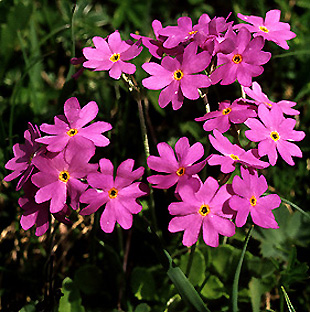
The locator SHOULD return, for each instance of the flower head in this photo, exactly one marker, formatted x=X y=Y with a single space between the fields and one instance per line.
x=178 y=34
x=274 y=134
x=244 y=62
x=119 y=195
x=202 y=209
x=181 y=169
x=22 y=162
x=236 y=113
x=176 y=76
x=261 y=98
x=248 y=199
x=155 y=46
x=210 y=35
x=112 y=54
x=270 y=29
x=232 y=154
x=38 y=214
x=59 y=177
x=71 y=127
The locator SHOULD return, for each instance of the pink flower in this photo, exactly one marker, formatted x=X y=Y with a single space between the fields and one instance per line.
x=232 y=154
x=176 y=76
x=236 y=113
x=244 y=62
x=203 y=209
x=111 y=54
x=248 y=198
x=260 y=98
x=180 y=169
x=271 y=29
x=119 y=196
x=21 y=163
x=59 y=178
x=210 y=36
x=274 y=134
x=38 y=214
x=155 y=46
x=71 y=127
x=178 y=34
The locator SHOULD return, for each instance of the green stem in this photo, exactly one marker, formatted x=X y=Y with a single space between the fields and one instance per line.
x=237 y=274
x=296 y=207
x=190 y=260
x=134 y=88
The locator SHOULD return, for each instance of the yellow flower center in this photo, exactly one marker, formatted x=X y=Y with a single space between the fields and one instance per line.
x=113 y=193
x=275 y=135
x=204 y=210
x=193 y=32
x=253 y=201
x=269 y=104
x=64 y=176
x=234 y=157
x=181 y=171
x=178 y=74
x=115 y=57
x=226 y=111
x=237 y=58
x=72 y=132
x=264 y=29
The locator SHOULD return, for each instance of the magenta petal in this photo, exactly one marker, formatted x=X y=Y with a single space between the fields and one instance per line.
x=130 y=204
x=194 y=153
x=191 y=224
x=265 y=219
x=163 y=181
x=27 y=221
x=210 y=235
x=157 y=82
x=106 y=166
x=42 y=222
x=166 y=94
x=287 y=150
x=108 y=219
x=182 y=208
x=94 y=132
x=72 y=109
x=268 y=147
x=95 y=199
x=242 y=206
x=123 y=216
x=223 y=226
x=87 y=114
x=75 y=189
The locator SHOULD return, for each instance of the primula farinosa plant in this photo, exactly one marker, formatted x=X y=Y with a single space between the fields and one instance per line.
x=245 y=135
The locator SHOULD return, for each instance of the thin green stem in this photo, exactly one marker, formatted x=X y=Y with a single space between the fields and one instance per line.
x=190 y=260
x=134 y=88
x=296 y=207
x=238 y=271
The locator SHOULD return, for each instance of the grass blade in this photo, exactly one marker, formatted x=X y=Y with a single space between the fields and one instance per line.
x=237 y=274
x=288 y=301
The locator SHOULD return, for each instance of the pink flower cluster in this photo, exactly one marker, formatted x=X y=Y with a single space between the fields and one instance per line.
x=55 y=173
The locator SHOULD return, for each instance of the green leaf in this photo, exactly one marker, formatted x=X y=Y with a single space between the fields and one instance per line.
x=198 y=267
x=214 y=288
x=143 y=284
x=143 y=307
x=71 y=300
x=257 y=288
x=89 y=279
x=28 y=308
